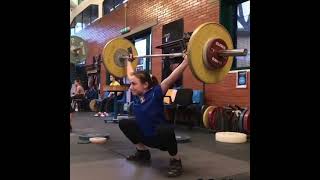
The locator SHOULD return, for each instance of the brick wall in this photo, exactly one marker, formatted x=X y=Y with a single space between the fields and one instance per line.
x=194 y=13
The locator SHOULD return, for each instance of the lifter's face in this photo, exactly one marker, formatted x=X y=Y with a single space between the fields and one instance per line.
x=137 y=88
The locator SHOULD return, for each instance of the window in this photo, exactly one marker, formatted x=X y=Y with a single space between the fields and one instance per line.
x=111 y=5
x=78 y=27
x=72 y=31
x=235 y=16
x=94 y=12
x=142 y=42
x=78 y=23
x=84 y=19
x=143 y=47
x=86 y=16
x=243 y=34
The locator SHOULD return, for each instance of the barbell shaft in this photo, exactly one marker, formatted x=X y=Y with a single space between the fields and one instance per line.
x=233 y=52
x=230 y=52
x=160 y=55
x=157 y=55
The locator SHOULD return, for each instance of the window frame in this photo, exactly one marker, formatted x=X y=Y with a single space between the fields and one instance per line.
x=229 y=19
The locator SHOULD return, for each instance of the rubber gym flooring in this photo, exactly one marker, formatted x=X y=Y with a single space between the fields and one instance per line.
x=202 y=158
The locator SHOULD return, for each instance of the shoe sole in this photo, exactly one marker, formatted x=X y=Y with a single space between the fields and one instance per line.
x=174 y=175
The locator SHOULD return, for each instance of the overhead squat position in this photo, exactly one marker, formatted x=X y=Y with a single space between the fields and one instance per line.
x=150 y=128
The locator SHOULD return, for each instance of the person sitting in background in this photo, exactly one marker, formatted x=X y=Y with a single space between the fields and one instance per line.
x=108 y=100
x=91 y=93
x=79 y=94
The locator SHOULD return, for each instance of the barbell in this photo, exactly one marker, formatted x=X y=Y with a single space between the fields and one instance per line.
x=210 y=53
x=232 y=52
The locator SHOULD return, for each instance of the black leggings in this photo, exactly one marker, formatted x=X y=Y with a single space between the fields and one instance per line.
x=164 y=140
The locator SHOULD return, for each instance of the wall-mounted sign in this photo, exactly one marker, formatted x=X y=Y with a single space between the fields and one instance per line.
x=242 y=79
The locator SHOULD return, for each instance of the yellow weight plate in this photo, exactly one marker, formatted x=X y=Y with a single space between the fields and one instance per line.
x=205 y=117
x=112 y=51
x=93 y=105
x=197 y=42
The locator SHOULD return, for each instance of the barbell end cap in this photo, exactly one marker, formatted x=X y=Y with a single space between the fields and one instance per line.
x=245 y=52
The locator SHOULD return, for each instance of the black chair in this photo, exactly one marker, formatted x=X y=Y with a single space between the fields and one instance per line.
x=193 y=112
x=182 y=101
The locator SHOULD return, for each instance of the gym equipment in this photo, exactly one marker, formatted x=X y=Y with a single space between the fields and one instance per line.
x=87 y=136
x=181 y=138
x=93 y=105
x=112 y=56
x=205 y=117
x=241 y=118
x=246 y=121
x=78 y=50
x=210 y=53
x=98 y=140
x=231 y=137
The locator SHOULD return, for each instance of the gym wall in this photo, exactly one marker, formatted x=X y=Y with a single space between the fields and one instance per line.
x=194 y=13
